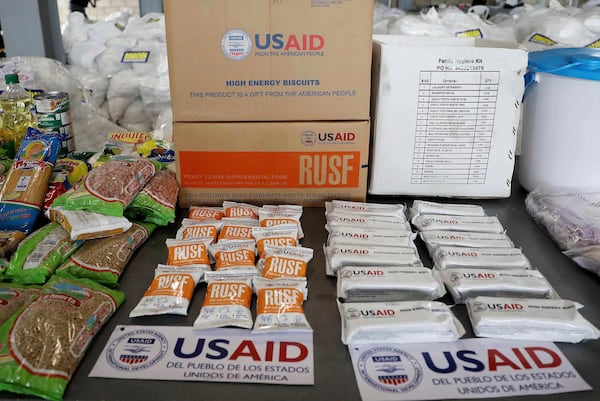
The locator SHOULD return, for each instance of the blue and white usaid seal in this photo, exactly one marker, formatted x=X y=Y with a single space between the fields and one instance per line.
x=137 y=350
x=236 y=44
x=390 y=369
x=308 y=138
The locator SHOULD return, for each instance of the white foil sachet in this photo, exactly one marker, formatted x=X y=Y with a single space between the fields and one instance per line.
x=366 y=221
x=365 y=208
x=337 y=257
x=399 y=322
x=425 y=207
x=481 y=224
x=435 y=238
x=280 y=304
x=388 y=283
x=445 y=257
x=226 y=303
x=529 y=319
x=470 y=283
x=170 y=292
x=346 y=235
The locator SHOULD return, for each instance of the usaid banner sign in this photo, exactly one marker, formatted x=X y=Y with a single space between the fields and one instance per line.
x=470 y=368
x=219 y=355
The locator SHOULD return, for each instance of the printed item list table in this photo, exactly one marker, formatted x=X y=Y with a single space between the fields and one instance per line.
x=455 y=121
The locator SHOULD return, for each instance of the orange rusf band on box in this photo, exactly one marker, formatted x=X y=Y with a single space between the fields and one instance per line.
x=269 y=169
x=228 y=293
x=279 y=301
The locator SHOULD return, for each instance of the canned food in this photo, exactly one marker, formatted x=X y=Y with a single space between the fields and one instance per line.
x=53 y=120
x=52 y=102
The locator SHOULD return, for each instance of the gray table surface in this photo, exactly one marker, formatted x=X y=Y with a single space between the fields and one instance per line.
x=334 y=376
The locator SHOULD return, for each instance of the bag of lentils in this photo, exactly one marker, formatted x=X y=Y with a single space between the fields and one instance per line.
x=40 y=350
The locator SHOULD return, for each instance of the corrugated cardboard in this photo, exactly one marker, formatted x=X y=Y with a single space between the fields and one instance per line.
x=302 y=163
x=269 y=60
x=445 y=116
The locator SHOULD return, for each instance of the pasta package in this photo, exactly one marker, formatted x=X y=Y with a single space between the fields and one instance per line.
x=157 y=201
x=110 y=187
x=23 y=192
x=104 y=259
x=42 y=365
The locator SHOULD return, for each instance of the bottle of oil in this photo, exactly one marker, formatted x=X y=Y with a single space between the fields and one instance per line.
x=15 y=106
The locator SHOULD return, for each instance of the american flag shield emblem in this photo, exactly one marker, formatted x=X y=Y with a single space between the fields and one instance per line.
x=393 y=380
x=133 y=359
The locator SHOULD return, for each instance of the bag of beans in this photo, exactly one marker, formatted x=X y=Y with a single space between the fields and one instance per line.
x=104 y=259
x=157 y=201
x=38 y=255
x=44 y=342
x=110 y=187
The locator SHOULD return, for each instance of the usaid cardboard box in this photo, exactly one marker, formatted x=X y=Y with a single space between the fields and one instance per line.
x=445 y=116
x=304 y=163
x=269 y=60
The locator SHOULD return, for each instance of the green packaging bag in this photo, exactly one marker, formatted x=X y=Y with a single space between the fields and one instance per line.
x=104 y=259
x=38 y=255
x=157 y=201
x=40 y=351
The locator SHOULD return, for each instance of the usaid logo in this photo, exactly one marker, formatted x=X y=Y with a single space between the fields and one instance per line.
x=308 y=138
x=389 y=369
x=137 y=350
x=236 y=44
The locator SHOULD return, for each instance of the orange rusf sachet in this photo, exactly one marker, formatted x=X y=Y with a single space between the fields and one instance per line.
x=205 y=213
x=279 y=304
x=226 y=303
x=237 y=229
x=284 y=235
x=199 y=229
x=234 y=255
x=240 y=210
x=276 y=217
x=285 y=261
x=189 y=252
x=170 y=292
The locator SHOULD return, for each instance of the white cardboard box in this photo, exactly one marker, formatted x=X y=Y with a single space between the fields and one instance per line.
x=445 y=115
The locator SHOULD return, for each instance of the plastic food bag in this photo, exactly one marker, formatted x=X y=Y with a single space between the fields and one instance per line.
x=38 y=256
x=14 y=296
x=104 y=259
x=79 y=310
x=571 y=219
x=170 y=292
x=23 y=192
x=110 y=188
x=157 y=201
